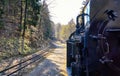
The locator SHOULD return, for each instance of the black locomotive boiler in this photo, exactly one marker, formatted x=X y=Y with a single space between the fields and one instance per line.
x=94 y=48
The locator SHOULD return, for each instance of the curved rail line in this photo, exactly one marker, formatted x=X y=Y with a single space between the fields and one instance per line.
x=25 y=63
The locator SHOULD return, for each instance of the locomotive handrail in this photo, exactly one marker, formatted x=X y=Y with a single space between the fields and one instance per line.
x=77 y=19
x=78 y=28
x=113 y=30
x=71 y=35
x=77 y=24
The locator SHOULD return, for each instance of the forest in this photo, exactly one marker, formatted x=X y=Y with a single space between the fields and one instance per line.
x=26 y=27
x=63 y=31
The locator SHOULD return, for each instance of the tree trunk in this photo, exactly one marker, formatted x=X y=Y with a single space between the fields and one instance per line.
x=24 y=25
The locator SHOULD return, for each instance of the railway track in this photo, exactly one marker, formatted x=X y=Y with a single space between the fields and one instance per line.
x=13 y=70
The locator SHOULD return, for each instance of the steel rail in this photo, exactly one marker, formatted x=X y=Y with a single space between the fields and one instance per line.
x=41 y=55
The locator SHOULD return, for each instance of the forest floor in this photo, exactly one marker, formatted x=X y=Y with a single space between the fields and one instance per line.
x=53 y=65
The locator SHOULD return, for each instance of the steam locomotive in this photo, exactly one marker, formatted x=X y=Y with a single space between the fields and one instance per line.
x=93 y=49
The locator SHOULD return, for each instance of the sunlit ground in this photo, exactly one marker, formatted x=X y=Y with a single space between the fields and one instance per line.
x=54 y=64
